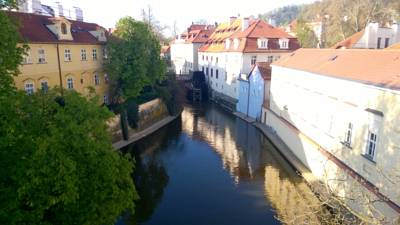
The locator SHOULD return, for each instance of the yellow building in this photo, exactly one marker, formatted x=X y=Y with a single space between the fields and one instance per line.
x=63 y=53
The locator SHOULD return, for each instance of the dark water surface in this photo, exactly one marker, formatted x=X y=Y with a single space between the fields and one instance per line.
x=211 y=168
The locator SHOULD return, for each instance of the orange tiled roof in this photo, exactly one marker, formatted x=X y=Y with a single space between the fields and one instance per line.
x=350 y=41
x=395 y=46
x=369 y=66
x=247 y=38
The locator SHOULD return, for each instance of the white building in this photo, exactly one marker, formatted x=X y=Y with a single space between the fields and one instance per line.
x=184 y=49
x=234 y=48
x=373 y=37
x=338 y=110
x=56 y=9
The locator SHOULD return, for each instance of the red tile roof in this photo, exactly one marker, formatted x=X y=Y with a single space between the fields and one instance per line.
x=350 y=41
x=248 y=38
x=33 y=29
x=369 y=66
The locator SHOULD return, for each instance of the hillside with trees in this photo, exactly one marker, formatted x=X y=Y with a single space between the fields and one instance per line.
x=341 y=18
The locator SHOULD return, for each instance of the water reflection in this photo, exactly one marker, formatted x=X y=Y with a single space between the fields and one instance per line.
x=211 y=168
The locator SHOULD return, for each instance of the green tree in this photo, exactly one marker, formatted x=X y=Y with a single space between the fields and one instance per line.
x=134 y=59
x=10 y=54
x=57 y=162
x=57 y=165
x=306 y=35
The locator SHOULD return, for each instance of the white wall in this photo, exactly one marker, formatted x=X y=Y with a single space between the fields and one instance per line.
x=182 y=57
x=231 y=65
x=373 y=32
x=321 y=108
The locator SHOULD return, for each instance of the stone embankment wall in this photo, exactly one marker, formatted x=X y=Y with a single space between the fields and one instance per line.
x=149 y=113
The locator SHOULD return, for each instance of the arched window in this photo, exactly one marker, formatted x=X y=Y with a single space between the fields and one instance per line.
x=29 y=87
x=63 y=28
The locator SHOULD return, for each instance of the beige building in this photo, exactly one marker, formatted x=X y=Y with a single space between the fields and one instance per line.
x=62 y=53
x=338 y=111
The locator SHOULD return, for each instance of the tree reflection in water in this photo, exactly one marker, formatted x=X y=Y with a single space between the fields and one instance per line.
x=150 y=175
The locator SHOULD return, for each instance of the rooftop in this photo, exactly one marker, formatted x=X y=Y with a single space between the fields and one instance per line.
x=380 y=68
x=33 y=29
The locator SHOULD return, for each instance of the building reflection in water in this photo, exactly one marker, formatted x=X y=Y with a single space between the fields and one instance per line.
x=248 y=155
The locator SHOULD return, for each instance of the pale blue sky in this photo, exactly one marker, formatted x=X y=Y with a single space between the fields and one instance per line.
x=106 y=13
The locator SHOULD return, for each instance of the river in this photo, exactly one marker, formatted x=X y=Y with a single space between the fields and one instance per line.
x=211 y=168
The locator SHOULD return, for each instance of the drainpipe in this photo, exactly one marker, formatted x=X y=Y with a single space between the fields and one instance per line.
x=248 y=97
x=59 y=70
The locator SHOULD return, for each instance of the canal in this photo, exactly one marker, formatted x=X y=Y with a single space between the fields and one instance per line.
x=211 y=168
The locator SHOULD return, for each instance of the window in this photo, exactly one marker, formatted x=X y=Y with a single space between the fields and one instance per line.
x=262 y=43
x=348 y=135
x=29 y=88
x=70 y=83
x=387 y=42
x=41 y=56
x=202 y=57
x=105 y=55
x=207 y=71
x=371 y=145
x=212 y=58
x=216 y=60
x=236 y=43
x=94 y=54
x=212 y=72
x=96 y=80
x=379 y=42
x=27 y=57
x=226 y=76
x=253 y=60
x=106 y=78
x=216 y=73
x=64 y=28
x=227 y=43
x=105 y=100
x=284 y=43
x=270 y=58
x=67 y=55
x=202 y=69
x=206 y=58
x=44 y=86
x=83 y=54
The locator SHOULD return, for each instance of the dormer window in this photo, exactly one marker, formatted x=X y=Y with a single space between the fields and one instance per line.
x=284 y=43
x=64 y=28
x=227 y=43
x=262 y=43
x=236 y=43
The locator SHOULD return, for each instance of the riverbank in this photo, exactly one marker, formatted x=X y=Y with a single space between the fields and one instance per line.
x=144 y=133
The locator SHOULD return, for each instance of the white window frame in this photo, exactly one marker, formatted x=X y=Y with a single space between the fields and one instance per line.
x=227 y=43
x=67 y=55
x=372 y=141
x=29 y=87
x=284 y=43
x=94 y=54
x=253 y=60
x=263 y=43
x=105 y=53
x=236 y=43
x=27 y=59
x=41 y=55
x=70 y=83
x=96 y=79
x=83 y=55
x=348 y=136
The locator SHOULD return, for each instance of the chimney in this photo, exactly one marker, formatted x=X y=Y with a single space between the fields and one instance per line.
x=30 y=6
x=271 y=21
x=78 y=14
x=245 y=23
x=58 y=10
x=232 y=19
